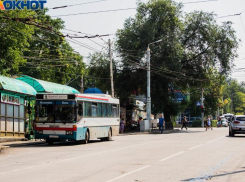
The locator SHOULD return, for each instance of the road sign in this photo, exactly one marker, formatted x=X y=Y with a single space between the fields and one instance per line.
x=198 y=103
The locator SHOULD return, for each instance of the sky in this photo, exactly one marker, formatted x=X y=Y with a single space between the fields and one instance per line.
x=109 y=22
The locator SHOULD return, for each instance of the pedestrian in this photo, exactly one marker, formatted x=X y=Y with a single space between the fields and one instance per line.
x=219 y=123
x=140 y=119
x=209 y=124
x=184 y=123
x=122 y=123
x=161 y=123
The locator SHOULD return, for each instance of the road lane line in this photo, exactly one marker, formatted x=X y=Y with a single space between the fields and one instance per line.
x=103 y=152
x=195 y=147
x=215 y=139
x=119 y=177
x=172 y=156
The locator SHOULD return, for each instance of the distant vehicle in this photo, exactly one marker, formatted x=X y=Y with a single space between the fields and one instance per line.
x=224 y=122
x=228 y=116
x=237 y=125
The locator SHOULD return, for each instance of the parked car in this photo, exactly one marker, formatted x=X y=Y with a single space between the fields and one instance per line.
x=229 y=117
x=237 y=125
x=224 y=122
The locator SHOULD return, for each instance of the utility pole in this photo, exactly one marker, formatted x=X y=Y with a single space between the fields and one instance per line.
x=148 y=109
x=202 y=113
x=111 y=70
x=148 y=84
x=82 y=84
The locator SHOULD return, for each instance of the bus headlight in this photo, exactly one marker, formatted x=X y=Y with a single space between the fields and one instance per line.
x=69 y=132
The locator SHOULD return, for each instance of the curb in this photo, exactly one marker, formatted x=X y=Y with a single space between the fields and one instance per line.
x=151 y=132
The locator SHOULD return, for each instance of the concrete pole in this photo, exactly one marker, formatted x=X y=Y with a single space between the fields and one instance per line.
x=148 y=85
x=111 y=70
x=202 y=113
x=82 y=84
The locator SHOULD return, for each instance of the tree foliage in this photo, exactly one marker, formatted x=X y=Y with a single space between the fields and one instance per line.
x=190 y=48
x=32 y=44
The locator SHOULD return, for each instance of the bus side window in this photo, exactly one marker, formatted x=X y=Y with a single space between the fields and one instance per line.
x=80 y=109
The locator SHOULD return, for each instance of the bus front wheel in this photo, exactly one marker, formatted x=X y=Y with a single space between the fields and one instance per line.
x=86 y=138
x=50 y=142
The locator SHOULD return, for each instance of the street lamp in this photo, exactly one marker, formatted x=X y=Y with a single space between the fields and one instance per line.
x=148 y=109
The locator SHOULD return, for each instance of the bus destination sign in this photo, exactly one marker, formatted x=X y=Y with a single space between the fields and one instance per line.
x=55 y=97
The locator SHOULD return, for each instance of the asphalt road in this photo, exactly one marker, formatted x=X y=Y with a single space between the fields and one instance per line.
x=192 y=155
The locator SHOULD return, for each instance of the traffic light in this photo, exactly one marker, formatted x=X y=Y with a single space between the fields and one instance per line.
x=202 y=109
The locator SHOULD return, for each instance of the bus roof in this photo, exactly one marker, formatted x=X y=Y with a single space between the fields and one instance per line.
x=85 y=97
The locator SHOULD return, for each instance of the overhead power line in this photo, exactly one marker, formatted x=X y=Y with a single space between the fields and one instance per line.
x=67 y=6
x=198 y=2
x=237 y=14
x=95 y=12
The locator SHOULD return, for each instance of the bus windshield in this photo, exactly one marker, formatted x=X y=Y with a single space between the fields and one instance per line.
x=56 y=111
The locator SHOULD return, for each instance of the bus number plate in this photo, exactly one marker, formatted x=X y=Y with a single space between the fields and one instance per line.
x=53 y=136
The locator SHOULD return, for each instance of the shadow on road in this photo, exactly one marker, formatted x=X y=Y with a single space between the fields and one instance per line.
x=44 y=144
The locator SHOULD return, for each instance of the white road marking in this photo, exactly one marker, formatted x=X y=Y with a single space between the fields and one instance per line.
x=195 y=147
x=215 y=139
x=172 y=156
x=165 y=139
x=119 y=177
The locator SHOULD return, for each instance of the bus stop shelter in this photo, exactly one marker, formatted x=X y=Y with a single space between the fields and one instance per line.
x=42 y=86
x=14 y=94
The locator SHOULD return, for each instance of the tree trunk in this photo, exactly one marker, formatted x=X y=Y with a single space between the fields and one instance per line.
x=167 y=117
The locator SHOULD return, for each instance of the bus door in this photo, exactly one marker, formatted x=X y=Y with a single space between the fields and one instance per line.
x=79 y=111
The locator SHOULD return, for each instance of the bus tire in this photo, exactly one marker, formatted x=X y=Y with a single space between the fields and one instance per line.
x=86 y=138
x=49 y=142
x=109 y=138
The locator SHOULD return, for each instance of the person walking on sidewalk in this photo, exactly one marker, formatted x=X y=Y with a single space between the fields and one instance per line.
x=161 y=123
x=139 y=122
x=209 y=124
x=184 y=123
x=122 y=123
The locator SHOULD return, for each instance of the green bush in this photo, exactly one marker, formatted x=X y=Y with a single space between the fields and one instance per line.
x=197 y=123
x=174 y=124
x=214 y=123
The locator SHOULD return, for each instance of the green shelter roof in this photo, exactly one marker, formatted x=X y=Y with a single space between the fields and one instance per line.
x=47 y=87
x=11 y=85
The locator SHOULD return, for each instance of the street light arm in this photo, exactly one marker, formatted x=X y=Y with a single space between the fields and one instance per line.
x=155 y=42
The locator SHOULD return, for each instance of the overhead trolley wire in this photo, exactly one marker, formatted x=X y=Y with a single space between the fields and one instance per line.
x=95 y=12
x=237 y=14
x=199 y=2
x=67 y=6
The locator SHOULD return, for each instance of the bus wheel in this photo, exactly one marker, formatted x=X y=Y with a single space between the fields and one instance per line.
x=49 y=142
x=86 y=138
x=109 y=138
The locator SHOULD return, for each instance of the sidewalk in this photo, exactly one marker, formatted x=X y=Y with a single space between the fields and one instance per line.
x=154 y=131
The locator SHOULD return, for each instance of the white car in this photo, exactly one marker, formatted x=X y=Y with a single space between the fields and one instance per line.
x=224 y=122
x=237 y=125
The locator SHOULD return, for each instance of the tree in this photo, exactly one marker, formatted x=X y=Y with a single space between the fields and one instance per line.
x=184 y=58
x=99 y=72
x=50 y=57
x=14 y=38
